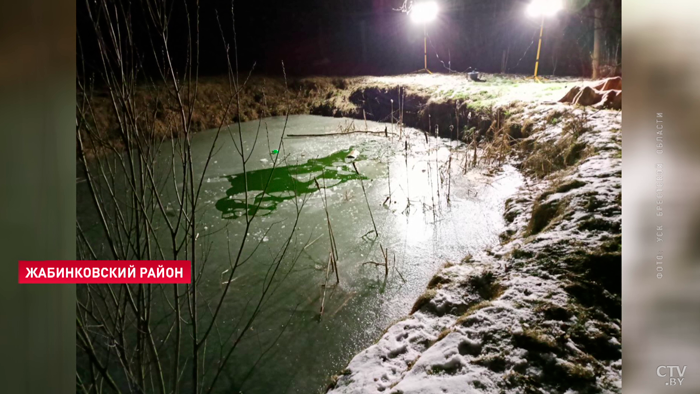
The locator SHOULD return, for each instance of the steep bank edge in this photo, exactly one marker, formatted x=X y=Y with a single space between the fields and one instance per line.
x=540 y=312
x=434 y=102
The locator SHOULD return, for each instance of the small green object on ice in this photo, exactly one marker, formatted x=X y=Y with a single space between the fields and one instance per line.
x=275 y=151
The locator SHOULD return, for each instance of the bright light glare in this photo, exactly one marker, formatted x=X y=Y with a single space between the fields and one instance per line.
x=423 y=12
x=544 y=7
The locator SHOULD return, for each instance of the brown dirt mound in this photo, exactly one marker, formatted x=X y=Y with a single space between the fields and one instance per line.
x=606 y=94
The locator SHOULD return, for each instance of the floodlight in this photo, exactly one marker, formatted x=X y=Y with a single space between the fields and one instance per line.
x=423 y=12
x=544 y=8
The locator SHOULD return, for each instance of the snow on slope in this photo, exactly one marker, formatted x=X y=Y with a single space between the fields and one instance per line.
x=539 y=313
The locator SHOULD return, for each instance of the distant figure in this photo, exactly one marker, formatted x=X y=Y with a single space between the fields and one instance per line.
x=473 y=75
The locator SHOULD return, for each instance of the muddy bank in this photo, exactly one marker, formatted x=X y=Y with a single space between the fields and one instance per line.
x=450 y=105
x=541 y=312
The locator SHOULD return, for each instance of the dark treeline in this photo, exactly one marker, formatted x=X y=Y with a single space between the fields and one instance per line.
x=359 y=37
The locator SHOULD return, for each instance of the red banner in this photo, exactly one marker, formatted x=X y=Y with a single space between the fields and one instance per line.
x=105 y=271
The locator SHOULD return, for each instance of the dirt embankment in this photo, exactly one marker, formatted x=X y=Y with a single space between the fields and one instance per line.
x=448 y=104
x=157 y=111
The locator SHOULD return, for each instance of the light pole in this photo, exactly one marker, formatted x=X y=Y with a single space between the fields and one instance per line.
x=424 y=12
x=542 y=9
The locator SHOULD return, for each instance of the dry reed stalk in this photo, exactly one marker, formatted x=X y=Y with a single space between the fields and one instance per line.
x=388 y=177
x=369 y=208
x=364 y=115
x=392 y=116
x=331 y=235
x=437 y=164
x=385 y=255
x=449 y=178
x=325 y=285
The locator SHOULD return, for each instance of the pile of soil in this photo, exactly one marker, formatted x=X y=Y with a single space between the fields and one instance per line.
x=605 y=94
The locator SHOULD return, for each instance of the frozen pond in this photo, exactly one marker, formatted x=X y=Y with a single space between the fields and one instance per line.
x=290 y=348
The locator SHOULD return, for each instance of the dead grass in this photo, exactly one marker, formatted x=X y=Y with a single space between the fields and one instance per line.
x=423 y=300
x=544 y=157
x=547 y=157
x=535 y=340
x=486 y=285
x=429 y=101
x=543 y=214
x=472 y=309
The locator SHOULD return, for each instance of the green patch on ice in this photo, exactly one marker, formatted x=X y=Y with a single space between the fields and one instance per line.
x=273 y=186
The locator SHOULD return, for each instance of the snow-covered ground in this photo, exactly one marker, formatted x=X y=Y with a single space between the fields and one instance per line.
x=540 y=313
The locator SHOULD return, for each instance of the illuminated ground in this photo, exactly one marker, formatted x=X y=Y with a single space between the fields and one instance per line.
x=496 y=88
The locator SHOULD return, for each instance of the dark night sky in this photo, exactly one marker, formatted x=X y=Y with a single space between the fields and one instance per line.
x=354 y=37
